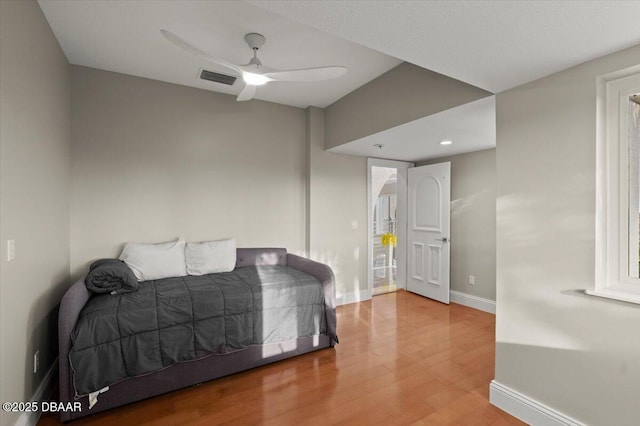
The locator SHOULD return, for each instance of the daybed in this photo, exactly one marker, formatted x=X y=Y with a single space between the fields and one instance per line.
x=184 y=374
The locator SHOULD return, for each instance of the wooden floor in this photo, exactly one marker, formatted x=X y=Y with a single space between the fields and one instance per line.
x=402 y=360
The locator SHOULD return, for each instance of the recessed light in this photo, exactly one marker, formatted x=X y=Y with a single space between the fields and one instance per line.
x=446 y=142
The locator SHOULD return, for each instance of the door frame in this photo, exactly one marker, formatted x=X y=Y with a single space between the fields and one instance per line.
x=401 y=206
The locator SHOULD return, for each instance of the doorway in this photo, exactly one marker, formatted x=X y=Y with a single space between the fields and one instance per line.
x=385 y=231
x=408 y=228
x=387 y=216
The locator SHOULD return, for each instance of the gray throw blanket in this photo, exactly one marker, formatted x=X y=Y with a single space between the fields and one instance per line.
x=185 y=318
x=110 y=276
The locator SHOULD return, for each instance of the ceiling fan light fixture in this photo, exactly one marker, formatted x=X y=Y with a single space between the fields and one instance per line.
x=255 y=79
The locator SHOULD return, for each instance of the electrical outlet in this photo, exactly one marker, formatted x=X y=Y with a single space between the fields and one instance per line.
x=472 y=280
x=36 y=362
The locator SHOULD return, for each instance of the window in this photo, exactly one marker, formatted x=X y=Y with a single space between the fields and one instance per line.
x=632 y=113
x=618 y=187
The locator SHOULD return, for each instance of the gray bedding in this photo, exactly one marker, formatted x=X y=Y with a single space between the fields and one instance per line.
x=110 y=276
x=186 y=318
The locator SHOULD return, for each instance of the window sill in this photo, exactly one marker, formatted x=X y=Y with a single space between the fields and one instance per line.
x=623 y=296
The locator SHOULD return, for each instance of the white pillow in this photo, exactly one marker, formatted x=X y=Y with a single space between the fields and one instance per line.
x=155 y=261
x=211 y=256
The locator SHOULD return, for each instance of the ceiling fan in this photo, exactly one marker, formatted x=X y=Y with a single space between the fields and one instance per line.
x=254 y=73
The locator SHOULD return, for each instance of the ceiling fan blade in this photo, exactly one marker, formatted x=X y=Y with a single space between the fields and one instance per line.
x=197 y=52
x=247 y=93
x=308 y=74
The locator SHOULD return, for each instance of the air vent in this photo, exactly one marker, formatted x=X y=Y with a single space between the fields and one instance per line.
x=218 y=78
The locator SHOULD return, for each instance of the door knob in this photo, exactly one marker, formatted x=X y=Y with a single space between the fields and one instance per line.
x=443 y=239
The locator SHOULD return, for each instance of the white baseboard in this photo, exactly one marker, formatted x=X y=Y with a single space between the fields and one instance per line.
x=526 y=409
x=43 y=391
x=473 y=301
x=354 y=297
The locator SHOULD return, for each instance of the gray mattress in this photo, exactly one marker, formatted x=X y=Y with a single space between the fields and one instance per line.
x=181 y=319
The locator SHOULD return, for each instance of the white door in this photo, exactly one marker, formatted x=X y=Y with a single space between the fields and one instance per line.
x=429 y=197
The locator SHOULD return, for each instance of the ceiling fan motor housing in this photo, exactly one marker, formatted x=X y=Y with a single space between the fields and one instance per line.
x=254 y=40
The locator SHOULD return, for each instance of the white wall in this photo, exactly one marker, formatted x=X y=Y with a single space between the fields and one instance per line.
x=578 y=354
x=34 y=196
x=473 y=222
x=153 y=161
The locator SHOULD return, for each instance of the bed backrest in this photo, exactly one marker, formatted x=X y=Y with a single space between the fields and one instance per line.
x=260 y=256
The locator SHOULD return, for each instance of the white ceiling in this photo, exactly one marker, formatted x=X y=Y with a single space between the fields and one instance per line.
x=490 y=44
x=471 y=127
x=124 y=36
x=494 y=45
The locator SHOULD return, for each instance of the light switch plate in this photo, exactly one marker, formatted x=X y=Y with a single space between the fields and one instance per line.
x=354 y=224
x=11 y=250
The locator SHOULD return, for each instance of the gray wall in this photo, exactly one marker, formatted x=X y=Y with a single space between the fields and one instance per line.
x=153 y=161
x=337 y=196
x=34 y=195
x=576 y=353
x=403 y=94
x=473 y=221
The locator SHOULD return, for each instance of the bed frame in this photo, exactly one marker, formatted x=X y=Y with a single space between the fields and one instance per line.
x=190 y=373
